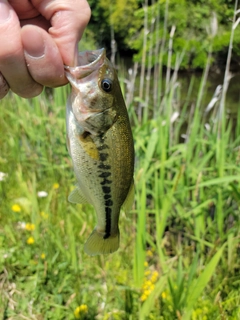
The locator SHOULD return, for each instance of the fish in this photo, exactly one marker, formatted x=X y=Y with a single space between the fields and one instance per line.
x=100 y=143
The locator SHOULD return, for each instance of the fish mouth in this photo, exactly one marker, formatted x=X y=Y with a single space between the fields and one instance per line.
x=88 y=62
x=89 y=58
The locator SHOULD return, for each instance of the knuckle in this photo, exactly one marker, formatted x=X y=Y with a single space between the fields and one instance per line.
x=87 y=12
x=30 y=91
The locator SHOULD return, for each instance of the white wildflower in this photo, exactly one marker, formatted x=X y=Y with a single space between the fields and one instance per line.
x=3 y=176
x=21 y=225
x=42 y=194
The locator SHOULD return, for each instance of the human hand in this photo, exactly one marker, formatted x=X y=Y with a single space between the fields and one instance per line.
x=37 y=38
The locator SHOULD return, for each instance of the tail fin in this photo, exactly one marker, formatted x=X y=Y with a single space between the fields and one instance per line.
x=96 y=244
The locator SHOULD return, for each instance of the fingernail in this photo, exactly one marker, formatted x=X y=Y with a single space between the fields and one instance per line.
x=4 y=12
x=33 y=43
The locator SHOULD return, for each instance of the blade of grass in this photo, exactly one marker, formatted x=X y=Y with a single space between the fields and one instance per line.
x=198 y=287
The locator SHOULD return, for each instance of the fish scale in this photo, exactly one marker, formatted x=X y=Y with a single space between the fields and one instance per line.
x=100 y=144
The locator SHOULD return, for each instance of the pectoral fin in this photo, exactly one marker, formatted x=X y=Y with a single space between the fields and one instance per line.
x=127 y=205
x=77 y=197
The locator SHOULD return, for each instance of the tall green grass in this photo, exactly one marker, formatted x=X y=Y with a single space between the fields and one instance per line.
x=179 y=251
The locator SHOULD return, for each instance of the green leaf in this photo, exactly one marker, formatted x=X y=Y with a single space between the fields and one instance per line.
x=198 y=287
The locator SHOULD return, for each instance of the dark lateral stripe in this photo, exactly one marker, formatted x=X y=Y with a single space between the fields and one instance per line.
x=102 y=147
x=106 y=189
x=105 y=174
x=106 y=181
x=108 y=203
x=108 y=212
x=106 y=185
x=103 y=156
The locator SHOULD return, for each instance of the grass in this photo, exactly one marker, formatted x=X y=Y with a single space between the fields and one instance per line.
x=179 y=251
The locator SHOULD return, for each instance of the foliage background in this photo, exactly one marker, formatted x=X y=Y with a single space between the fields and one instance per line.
x=123 y=21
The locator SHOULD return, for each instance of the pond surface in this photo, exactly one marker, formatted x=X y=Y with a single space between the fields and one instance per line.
x=184 y=79
x=214 y=80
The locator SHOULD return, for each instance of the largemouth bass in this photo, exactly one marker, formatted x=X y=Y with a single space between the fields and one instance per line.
x=100 y=143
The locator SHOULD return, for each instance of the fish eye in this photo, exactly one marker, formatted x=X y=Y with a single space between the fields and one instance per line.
x=106 y=85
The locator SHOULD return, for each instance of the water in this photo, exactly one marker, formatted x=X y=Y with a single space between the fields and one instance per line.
x=214 y=79
x=184 y=78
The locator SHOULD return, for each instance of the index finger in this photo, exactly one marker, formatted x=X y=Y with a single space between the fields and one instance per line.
x=68 y=20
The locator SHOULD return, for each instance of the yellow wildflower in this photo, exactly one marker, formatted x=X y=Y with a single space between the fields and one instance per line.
x=55 y=185
x=147 y=288
x=43 y=256
x=30 y=226
x=147 y=292
x=146 y=284
x=44 y=215
x=147 y=273
x=149 y=253
x=143 y=297
x=16 y=208
x=151 y=287
x=154 y=276
x=30 y=240
x=82 y=309
x=145 y=264
x=164 y=295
